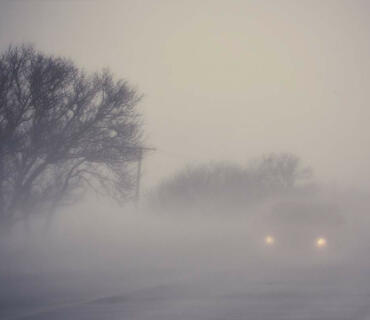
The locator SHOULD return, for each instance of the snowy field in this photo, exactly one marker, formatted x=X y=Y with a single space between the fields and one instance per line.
x=185 y=271
x=227 y=295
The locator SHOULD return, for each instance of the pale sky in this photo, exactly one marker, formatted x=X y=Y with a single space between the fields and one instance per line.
x=224 y=80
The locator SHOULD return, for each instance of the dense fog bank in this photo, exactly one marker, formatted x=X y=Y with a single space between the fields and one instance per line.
x=95 y=237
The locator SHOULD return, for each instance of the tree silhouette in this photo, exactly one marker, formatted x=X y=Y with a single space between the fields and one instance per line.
x=61 y=130
x=225 y=187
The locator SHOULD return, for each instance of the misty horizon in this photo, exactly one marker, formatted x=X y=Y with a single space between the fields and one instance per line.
x=184 y=159
x=239 y=80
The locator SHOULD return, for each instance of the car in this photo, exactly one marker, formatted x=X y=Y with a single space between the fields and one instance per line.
x=301 y=230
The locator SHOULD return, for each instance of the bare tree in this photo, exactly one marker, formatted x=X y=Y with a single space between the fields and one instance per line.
x=219 y=187
x=61 y=130
x=281 y=171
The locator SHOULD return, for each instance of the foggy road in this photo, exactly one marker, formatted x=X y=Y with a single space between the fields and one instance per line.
x=224 y=296
x=188 y=271
x=289 y=303
x=184 y=160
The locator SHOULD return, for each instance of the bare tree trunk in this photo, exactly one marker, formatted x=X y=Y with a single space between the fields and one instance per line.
x=26 y=233
x=50 y=217
x=5 y=252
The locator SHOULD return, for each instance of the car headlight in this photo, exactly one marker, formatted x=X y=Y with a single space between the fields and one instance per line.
x=321 y=242
x=269 y=240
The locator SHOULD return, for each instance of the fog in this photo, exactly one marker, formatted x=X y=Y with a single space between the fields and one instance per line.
x=237 y=78
x=98 y=261
x=223 y=83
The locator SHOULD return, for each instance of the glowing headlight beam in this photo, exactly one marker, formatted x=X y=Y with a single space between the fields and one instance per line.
x=269 y=240
x=321 y=242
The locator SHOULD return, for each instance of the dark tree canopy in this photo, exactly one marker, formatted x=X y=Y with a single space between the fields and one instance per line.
x=61 y=130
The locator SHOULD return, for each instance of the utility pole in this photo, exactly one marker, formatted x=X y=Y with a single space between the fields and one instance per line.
x=138 y=173
x=138 y=177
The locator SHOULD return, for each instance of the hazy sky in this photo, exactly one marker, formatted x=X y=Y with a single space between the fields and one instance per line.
x=224 y=80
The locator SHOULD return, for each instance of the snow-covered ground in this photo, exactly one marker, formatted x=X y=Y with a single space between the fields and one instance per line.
x=319 y=293
x=160 y=270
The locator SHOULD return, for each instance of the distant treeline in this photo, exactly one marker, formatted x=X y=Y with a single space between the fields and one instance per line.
x=215 y=187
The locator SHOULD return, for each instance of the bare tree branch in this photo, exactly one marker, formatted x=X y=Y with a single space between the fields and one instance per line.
x=62 y=130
